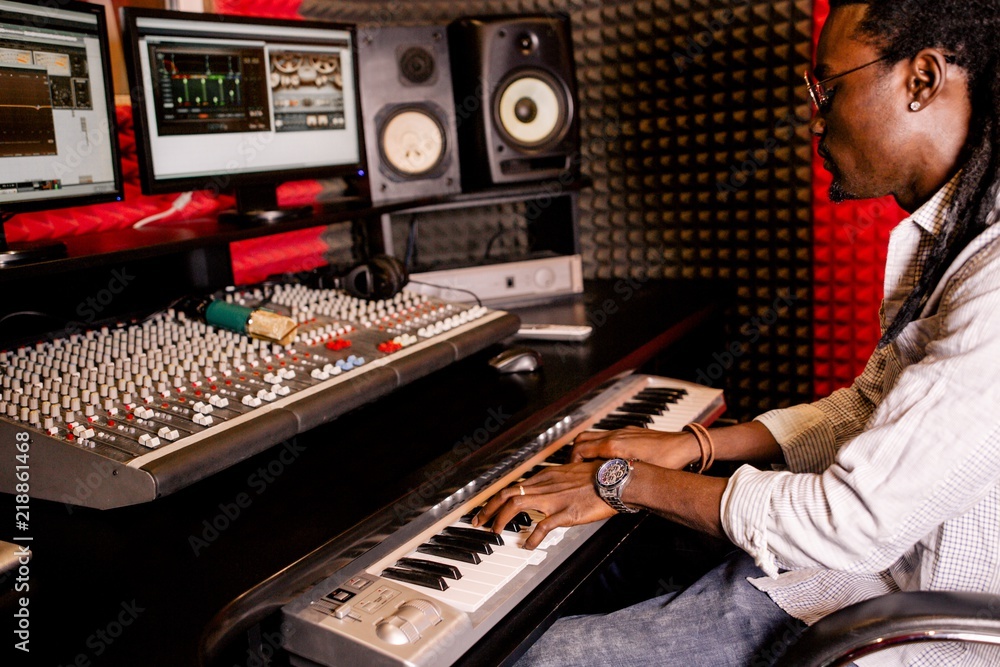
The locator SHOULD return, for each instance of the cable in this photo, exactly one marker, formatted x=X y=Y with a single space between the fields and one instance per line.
x=411 y=243
x=489 y=244
x=475 y=296
x=33 y=313
x=178 y=205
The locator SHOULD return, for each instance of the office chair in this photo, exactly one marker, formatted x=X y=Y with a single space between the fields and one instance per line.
x=893 y=620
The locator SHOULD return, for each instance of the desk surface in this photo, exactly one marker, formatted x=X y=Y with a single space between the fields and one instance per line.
x=138 y=585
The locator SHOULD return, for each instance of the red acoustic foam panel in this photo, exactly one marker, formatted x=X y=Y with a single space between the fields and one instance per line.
x=62 y=223
x=849 y=249
x=298 y=193
x=256 y=259
x=276 y=9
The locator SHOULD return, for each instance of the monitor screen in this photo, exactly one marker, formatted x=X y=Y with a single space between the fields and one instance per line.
x=223 y=102
x=58 y=143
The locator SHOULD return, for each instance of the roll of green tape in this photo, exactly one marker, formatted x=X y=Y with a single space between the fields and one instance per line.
x=228 y=316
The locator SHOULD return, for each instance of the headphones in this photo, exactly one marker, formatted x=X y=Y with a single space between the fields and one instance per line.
x=381 y=277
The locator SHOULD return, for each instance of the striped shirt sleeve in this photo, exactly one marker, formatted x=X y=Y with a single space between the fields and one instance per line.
x=930 y=451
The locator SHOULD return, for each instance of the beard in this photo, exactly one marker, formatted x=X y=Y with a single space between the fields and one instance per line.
x=838 y=193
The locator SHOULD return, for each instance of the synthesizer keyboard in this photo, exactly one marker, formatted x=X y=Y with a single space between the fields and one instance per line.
x=432 y=589
x=122 y=415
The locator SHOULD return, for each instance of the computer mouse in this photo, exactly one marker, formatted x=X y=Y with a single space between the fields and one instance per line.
x=517 y=360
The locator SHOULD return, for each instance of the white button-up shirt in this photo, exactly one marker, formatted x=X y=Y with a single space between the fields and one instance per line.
x=894 y=483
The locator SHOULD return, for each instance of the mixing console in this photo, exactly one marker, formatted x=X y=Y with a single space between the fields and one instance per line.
x=155 y=405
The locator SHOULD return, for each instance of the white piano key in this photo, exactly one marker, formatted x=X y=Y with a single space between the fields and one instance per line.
x=470 y=571
x=461 y=600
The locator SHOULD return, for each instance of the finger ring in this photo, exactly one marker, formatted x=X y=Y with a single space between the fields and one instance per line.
x=522 y=489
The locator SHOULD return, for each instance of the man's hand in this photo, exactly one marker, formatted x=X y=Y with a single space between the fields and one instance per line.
x=667 y=450
x=564 y=494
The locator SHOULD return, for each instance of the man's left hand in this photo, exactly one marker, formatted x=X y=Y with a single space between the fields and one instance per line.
x=564 y=494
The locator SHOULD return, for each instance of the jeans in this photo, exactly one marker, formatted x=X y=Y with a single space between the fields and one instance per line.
x=719 y=620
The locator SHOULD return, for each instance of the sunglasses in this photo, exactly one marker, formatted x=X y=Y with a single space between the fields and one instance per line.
x=822 y=95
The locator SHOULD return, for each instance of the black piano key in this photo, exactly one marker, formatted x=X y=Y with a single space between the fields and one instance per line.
x=430 y=566
x=651 y=402
x=454 y=553
x=534 y=471
x=561 y=455
x=468 y=516
x=634 y=420
x=661 y=391
x=656 y=395
x=522 y=518
x=415 y=577
x=641 y=408
x=476 y=534
x=513 y=526
x=479 y=546
x=621 y=421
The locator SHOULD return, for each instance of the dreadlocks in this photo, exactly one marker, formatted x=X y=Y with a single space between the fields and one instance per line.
x=968 y=30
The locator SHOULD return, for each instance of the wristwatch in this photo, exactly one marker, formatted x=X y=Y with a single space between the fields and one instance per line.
x=610 y=481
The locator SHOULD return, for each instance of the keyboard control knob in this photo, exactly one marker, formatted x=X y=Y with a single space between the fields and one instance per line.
x=405 y=626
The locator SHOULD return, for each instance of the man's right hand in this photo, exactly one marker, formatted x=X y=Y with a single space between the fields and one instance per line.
x=667 y=450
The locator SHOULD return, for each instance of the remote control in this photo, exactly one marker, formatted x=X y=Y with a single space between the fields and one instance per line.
x=555 y=331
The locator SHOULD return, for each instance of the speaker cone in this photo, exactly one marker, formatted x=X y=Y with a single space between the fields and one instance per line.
x=531 y=110
x=412 y=142
x=416 y=65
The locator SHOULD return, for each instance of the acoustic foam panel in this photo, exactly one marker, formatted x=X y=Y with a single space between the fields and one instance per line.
x=694 y=130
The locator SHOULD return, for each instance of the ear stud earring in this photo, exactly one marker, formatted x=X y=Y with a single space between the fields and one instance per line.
x=914 y=106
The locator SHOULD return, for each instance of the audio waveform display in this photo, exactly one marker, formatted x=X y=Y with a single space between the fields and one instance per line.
x=26 y=124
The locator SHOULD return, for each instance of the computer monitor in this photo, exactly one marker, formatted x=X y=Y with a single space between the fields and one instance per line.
x=236 y=104
x=58 y=138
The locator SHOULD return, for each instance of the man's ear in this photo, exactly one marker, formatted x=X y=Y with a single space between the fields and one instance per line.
x=927 y=75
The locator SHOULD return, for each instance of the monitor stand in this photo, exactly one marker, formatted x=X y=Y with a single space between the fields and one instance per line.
x=257 y=205
x=15 y=254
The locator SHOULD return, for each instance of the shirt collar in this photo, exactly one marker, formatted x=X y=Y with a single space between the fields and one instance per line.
x=932 y=215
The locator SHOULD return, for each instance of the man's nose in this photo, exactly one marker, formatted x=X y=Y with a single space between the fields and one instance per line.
x=817 y=126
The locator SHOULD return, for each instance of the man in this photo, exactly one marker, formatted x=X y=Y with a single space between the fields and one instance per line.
x=891 y=484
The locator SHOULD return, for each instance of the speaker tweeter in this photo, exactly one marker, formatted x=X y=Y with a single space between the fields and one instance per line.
x=409 y=118
x=515 y=98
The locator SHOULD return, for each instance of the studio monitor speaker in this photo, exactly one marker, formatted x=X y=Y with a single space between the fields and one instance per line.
x=515 y=98
x=409 y=114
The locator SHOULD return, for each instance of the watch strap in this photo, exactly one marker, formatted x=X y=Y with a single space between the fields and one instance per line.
x=612 y=495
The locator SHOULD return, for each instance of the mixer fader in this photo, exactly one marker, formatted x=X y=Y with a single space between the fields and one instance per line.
x=158 y=404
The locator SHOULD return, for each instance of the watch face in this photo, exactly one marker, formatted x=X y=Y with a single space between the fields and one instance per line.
x=612 y=472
